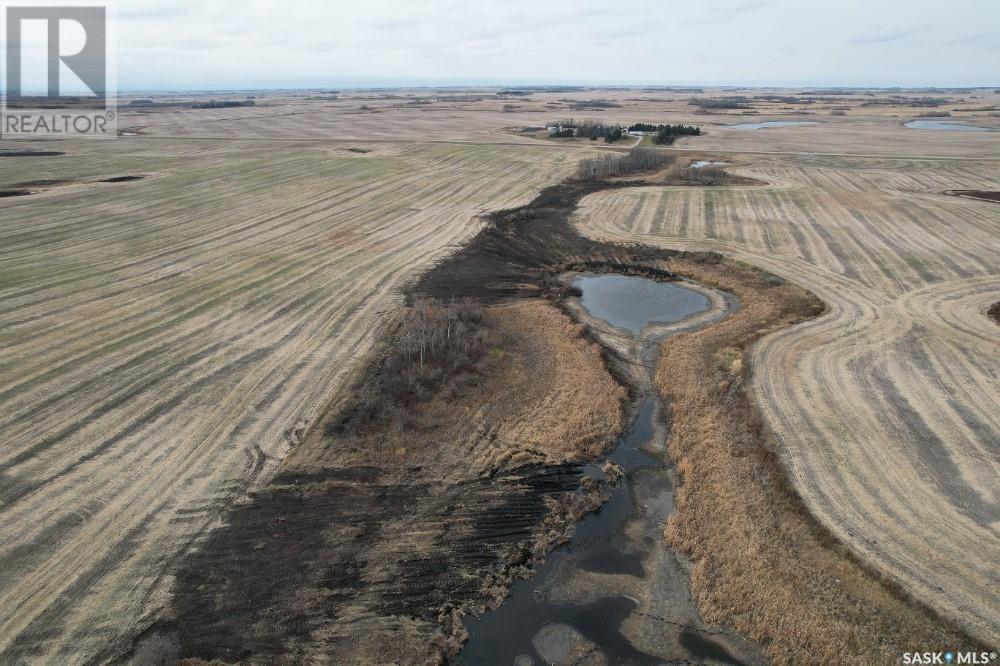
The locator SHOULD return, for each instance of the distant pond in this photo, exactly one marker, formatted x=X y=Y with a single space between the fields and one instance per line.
x=949 y=125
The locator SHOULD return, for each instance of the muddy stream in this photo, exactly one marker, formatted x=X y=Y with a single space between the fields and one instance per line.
x=616 y=593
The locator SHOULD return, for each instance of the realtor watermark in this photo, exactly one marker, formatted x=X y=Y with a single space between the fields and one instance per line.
x=950 y=657
x=59 y=71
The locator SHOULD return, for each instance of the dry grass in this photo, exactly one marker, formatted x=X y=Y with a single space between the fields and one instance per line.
x=573 y=420
x=760 y=564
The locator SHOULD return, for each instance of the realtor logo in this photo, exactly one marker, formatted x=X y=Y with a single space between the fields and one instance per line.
x=57 y=72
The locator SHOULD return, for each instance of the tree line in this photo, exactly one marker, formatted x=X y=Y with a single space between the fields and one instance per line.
x=590 y=129
x=596 y=129
x=665 y=134
x=618 y=164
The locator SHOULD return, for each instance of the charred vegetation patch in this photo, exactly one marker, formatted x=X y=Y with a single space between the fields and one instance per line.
x=45 y=182
x=14 y=193
x=983 y=195
x=520 y=250
x=994 y=312
x=31 y=153
x=121 y=179
x=321 y=554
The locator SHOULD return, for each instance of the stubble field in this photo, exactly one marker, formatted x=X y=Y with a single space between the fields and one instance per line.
x=886 y=408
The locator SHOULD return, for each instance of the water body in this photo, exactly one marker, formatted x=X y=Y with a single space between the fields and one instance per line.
x=773 y=123
x=616 y=589
x=949 y=125
x=633 y=303
x=701 y=164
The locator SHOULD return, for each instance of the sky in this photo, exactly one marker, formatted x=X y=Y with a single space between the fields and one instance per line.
x=243 y=44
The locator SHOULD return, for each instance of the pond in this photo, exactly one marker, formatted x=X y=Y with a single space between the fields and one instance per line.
x=949 y=125
x=701 y=164
x=633 y=303
x=773 y=123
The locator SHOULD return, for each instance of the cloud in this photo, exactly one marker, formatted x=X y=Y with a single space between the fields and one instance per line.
x=749 y=6
x=885 y=37
x=238 y=43
x=987 y=40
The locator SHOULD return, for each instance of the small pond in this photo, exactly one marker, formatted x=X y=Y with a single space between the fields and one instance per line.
x=634 y=302
x=701 y=164
x=949 y=125
x=773 y=123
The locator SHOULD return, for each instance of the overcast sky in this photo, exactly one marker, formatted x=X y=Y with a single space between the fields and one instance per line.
x=206 y=44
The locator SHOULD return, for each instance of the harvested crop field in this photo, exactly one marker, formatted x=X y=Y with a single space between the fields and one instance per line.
x=165 y=341
x=179 y=306
x=886 y=408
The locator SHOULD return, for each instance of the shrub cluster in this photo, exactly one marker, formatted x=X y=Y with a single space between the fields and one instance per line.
x=225 y=104
x=437 y=350
x=703 y=176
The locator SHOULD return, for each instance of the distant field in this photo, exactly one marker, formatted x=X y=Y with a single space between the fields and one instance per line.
x=162 y=340
x=480 y=118
x=886 y=408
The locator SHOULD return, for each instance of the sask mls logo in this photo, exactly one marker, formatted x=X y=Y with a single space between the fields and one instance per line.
x=58 y=72
x=950 y=658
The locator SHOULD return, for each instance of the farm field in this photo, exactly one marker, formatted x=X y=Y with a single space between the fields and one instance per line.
x=167 y=342
x=164 y=340
x=886 y=408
